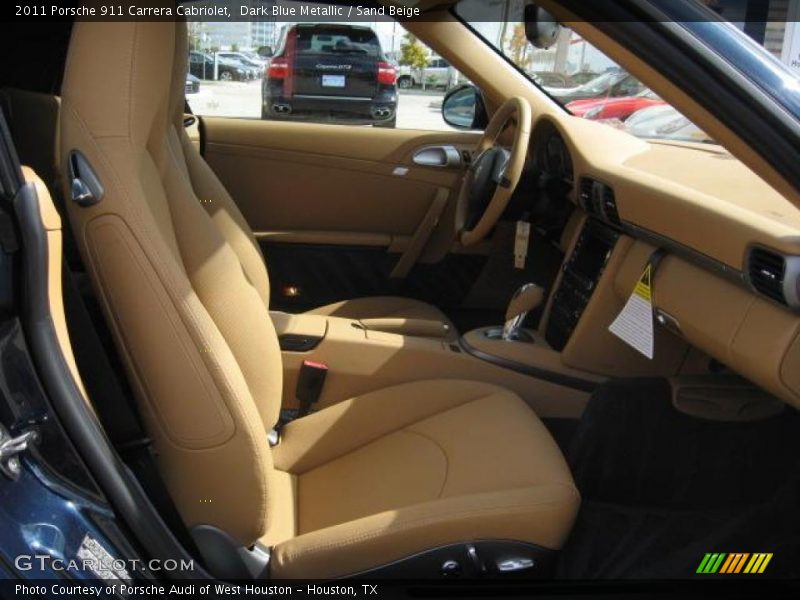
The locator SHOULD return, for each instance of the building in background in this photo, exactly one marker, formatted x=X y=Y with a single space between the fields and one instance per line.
x=790 y=47
x=775 y=24
x=771 y=23
x=264 y=31
x=242 y=35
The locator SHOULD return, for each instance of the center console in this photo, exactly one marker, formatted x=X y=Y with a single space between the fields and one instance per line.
x=360 y=360
x=581 y=273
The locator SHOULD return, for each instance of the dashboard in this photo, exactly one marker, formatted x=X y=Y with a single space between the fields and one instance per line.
x=730 y=283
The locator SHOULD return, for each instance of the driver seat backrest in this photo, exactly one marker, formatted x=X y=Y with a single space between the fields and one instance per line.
x=186 y=305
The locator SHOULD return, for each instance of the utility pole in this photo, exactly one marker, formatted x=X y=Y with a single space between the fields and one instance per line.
x=562 y=50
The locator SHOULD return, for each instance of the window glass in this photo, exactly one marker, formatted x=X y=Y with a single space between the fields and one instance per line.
x=589 y=84
x=577 y=75
x=343 y=39
x=370 y=73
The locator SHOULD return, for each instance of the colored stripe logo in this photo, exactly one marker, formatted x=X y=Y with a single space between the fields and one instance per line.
x=734 y=563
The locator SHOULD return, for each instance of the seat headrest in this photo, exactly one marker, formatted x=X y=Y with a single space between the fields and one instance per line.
x=118 y=77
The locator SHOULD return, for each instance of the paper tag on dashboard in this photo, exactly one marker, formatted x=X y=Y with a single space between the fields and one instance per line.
x=634 y=325
x=521 y=240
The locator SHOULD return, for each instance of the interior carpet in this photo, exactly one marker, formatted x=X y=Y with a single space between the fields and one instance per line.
x=661 y=489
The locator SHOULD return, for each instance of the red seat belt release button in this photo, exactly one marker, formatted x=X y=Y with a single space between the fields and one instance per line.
x=309 y=384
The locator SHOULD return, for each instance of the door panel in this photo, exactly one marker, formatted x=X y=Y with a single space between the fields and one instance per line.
x=303 y=177
x=334 y=207
x=313 y=193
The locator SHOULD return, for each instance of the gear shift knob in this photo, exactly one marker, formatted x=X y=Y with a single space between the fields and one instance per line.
x=524 y=300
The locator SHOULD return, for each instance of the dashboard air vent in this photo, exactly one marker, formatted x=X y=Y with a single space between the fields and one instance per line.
x=766 y=270
x=610 y=206
x=586 y=196
x=598 y=200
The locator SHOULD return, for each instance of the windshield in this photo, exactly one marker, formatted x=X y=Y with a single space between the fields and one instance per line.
x=339 y=40
x=587 y=83
x=602 y=83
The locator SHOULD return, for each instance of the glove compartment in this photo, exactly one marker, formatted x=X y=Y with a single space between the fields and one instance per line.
x=747 y=333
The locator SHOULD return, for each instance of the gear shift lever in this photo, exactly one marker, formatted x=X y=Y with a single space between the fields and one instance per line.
x=524 y=300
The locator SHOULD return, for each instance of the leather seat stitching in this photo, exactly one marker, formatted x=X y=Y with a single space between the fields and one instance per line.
x=444 y=453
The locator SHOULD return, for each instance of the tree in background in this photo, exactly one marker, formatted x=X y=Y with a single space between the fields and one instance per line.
x=518 y=47
x=414 y=55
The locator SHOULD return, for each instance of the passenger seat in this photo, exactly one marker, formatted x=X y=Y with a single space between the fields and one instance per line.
x=430 y=477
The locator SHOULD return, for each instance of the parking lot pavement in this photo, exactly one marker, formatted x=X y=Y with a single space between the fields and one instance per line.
x=421 y=111
x=415 y=110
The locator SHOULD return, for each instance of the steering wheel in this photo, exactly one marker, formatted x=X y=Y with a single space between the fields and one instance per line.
x=494 y=174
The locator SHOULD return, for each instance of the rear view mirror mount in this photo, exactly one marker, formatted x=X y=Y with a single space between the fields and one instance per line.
x=541 y=28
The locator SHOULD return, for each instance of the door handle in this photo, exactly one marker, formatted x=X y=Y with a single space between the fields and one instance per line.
x=438 y=156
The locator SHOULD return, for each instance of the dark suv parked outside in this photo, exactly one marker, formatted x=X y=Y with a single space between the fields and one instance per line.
x=328 y=72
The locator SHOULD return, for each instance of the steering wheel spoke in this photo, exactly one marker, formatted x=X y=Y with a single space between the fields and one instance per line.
x=501 y=166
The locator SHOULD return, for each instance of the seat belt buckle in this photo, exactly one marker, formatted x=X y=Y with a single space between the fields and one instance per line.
x=309 y=384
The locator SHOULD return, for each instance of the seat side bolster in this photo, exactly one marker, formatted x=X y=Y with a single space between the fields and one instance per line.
x=226 y=215
x=541 y=515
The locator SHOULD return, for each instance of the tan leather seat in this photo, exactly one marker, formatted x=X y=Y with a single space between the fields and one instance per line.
x=418 y=466
x=372 y=480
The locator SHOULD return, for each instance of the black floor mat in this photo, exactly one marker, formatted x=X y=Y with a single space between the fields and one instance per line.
x=660 y=489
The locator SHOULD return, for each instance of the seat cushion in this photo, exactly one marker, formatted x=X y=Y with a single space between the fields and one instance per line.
x=394 y=314
x=417 y=466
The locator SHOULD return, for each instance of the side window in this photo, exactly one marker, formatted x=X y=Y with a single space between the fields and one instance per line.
x=370 y=73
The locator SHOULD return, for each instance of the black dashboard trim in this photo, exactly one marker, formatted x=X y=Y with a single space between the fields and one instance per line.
x=638 y=232
x=576 y=383
x=694 y=256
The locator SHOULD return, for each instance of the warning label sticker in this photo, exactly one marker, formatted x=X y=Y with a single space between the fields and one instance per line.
x=634 y=324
